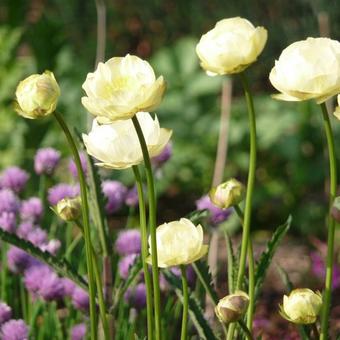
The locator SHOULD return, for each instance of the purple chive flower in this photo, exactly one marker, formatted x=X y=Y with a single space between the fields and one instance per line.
x=31 y=209
x=8 y=201
x=115 y=193
x=51 y=287
x=18 y=260
x=14 y=178
x=69 y=286
x=60 y=191
x=37 y=236
x=51 y=247
x=80 y=299
x=163 y=157
x=14 y=330
x=8 y=221
x=128 y=242
x=217 y=215
x=46 y=160
x=191 y=275
x=5 y=312
x=25 y=228
x=131 y=198
x=136 y=296
x=33 y=276
x=72 y=165
x=78 y=332
x=125 y=264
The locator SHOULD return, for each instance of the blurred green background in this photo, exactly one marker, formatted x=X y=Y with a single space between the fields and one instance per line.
x=61 y=35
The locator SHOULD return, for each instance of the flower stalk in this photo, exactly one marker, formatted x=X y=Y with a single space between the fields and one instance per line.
x=185 y=302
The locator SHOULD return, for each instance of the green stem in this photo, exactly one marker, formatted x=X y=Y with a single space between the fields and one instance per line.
x=86 y=221
x=152 y=222
x=144 y=237
x=185 y=302
x=331 y=224
x=245 y=330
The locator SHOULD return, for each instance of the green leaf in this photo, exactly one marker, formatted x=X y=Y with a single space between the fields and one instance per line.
x=232 y=274
x=197 y=215
x=60 y=265
x=267 y=255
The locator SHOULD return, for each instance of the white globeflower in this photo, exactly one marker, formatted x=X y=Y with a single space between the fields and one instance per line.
x=121 y=87
x=231 y=46
x=178 y=242
x=117 y=146
x=308 y=69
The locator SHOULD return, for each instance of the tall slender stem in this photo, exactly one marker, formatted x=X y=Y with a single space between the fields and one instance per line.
x=86 y=221
x=144 y=237
x=331 y=224
x=152 y=222
x=185 y=302
x=245 y=330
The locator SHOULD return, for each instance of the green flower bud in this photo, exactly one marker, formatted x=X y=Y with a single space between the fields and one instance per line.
x=232 y=307
x=227 y=194
x=302 y=306
x=37 y=95
x=69 y=209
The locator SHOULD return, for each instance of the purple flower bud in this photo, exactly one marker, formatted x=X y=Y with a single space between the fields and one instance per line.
x=115 y=193
x=37 y=236
x=8 y=201
x=34 y=275
x=217 y=215
x=8 y=221
x=128 y=242
x=46 y=160
x=136 y=296
x=14 y=178
x=190 y=273
x=125 y=264
x=131 y=198
x=5 y=312
x=51 y=287
x=24 y=229
x=69 y=286
x=31 y=209
x=51 y=247
x=163 y=157
x=18 y=260
x=78 y=332
x=14 y=330
x=80 y=299
x=60 y=191
x=72 y=165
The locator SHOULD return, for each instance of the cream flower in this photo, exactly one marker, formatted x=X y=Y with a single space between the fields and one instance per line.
x=37 y=95
x=337 y=109
x=178 y=242
x=308 y=69
x=116 y=145
x=302 y=306
x=231 y=46
x=69 y=209
x=122 y=87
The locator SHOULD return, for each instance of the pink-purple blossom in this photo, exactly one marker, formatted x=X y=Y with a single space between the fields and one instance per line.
x=14 y=178
x=46 y=160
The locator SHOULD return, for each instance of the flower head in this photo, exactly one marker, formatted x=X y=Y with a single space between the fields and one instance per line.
x=115 y=193
x=116 y=145
x=231 y=46
x=18 y=260
x=60 y=191
x=9 y=202
x=125 y=264
x=179 y=242
x=14 y=178
x=131 y=198
x=302 y=306
x=80 y=299
x=121 y=87
x=14 y=330
x=78 y=331
x=128 y=242
x=37 y=95
x=136 y=296
x=69 y=209
x=46 y=160
x=5 y=312
x=31 y=209
x=25 y=228
x=8 y=221
x=308 y=69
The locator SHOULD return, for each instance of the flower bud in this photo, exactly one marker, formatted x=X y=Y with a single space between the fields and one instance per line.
x=37 y=95
x=68 y=209
x=302 y=306
x=227 y=194
x=232 y=307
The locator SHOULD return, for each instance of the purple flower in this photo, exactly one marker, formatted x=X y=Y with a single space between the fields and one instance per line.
x=78 y=332
x=46 y=160
x=80 y=299
x=163 y=157
x=217 y=215
x=115 y=193
x=14 y=178
x=8 y=221
x=136 y=296
x=18 y=260
x=72 y=165
x=37 y=236
x=31 y=209
x=128 y=242
x=51 y=287
x=51 y=247
x=190 y=273
x=8 y=201
x=125 y=264
x=5 y=312
x=33 y=276
x=131 y=198
x=25 y=228
x=60 y=191
x=14 y=330
x=69 y=286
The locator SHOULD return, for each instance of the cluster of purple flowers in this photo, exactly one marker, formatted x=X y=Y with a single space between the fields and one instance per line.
x=11 y=329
